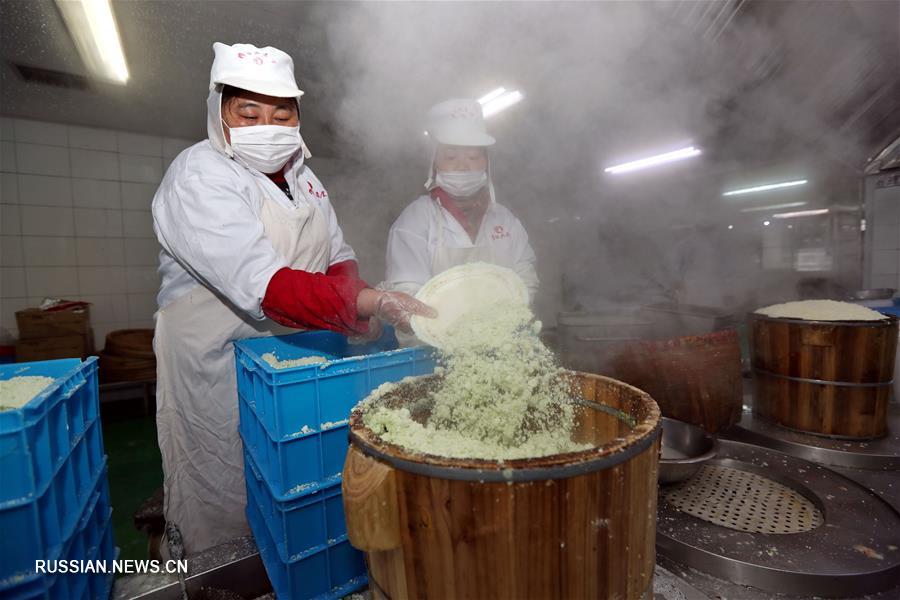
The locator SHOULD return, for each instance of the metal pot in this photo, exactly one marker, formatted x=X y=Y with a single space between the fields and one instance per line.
x=685 y=448
x=873 y=294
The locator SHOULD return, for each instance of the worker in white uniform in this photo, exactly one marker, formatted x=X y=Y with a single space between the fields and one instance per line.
x=458 y=221
x=251 y=247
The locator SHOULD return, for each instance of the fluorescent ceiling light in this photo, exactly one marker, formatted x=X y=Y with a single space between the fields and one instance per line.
x=766 y=223
x=772 y=207
x=491 y=95
x=652 y=161
x=765 y=188
x=801 y=213
x=499 y=103
x=93 y=28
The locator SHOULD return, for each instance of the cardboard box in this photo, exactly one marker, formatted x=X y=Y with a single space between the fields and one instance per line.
x=50 y=348
x=34 y=323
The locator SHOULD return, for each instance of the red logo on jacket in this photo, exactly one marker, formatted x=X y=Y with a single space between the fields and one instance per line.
x=316 y=193
x=499 y=233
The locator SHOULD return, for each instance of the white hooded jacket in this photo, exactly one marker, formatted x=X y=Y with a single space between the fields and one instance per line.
x=415 y=237
x=206 y=214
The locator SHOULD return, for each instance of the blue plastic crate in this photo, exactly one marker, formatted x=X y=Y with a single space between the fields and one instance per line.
x=330 y=573
x=303 y=525
x=299 y=466
x=40 y=527
x=92 y=539
x=302 y=399
x=294 y=421
x=37 y=438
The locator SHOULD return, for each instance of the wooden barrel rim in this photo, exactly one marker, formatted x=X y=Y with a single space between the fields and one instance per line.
x=557 y=466
x=887 y=321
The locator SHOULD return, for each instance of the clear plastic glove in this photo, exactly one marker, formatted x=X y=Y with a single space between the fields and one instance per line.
x=397 y=308
x=374 y=333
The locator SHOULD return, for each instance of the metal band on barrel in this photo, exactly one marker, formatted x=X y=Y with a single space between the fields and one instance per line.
x=823 y=381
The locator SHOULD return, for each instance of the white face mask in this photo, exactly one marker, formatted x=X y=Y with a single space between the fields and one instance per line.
x=265 y=147
x=461 y=184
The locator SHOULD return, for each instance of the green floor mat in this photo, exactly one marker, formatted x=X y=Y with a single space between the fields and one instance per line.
x=135 y=472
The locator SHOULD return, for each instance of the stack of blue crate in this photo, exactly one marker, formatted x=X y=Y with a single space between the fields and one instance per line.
x=54 y=496
x=293 y=423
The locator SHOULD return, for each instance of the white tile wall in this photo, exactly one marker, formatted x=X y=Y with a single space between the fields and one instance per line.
x=38 y=159
x=98 y=222
x=141 y=305
x=52 y=281
x=138 y=223
x=140 y=169
x=109 y=308
x=100 y=252
x=137 y=196
x=10 y=220
x=100 y=280
x=42 y=190
x=11 y=251
x=95 y=164
x=48 y=251
x=9 y=188
x=134 y=143
x=47 y=220
x=12 y=282
x=8 y=308
x=8 y=157
x=6 y=128
x=38 y=132
x=94 y=193
x=92 y=139
x=142 y=280
x=142 y=252
x=75 y=220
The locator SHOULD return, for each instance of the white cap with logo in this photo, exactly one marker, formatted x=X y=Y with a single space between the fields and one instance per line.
x=458 y=122
x=266 y=70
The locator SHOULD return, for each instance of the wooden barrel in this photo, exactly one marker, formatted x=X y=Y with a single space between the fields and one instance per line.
x=696 y=379
x=829 y=378
x=577 y=525
x=136 y=343
x=128 y=356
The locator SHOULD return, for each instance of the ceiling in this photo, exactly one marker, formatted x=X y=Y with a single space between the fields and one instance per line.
x=749 y=80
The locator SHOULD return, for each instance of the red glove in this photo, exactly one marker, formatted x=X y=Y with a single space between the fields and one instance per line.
x=305 y=300
x=348 y=268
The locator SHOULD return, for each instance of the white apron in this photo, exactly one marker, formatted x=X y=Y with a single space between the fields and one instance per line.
x=446 y=257
x=197 y=403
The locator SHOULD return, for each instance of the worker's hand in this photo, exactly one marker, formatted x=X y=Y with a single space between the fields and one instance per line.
x=374 y=333
x=397 y=308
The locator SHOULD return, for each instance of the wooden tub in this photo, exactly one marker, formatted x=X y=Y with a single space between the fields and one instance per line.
x=578 y=525
x=696 y=379
x=829 y=378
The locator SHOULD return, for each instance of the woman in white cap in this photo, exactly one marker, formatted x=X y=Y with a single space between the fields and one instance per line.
x=250 y=241
x=458 y=221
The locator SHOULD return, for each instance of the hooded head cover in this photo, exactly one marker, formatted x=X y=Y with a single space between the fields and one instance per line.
x=457 y=122
x=266 y=71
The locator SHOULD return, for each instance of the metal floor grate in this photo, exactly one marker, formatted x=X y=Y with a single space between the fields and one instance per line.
x=744 y=501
